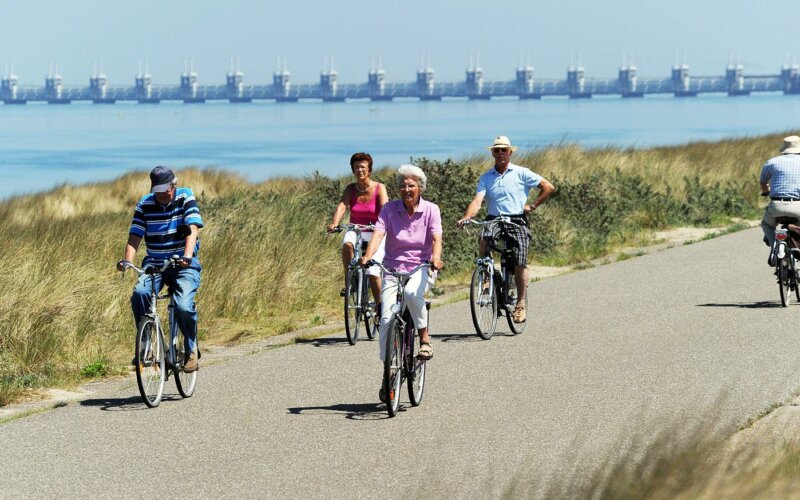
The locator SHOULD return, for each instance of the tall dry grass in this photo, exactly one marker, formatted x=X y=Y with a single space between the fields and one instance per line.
x=678 y=462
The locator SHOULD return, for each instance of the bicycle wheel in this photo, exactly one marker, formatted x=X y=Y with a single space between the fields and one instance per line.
x=782 y=271
x=795 y=282
x=184 y=381
x=352 y=313
x=482 y=304
x=393 y=368
x=369 y=313
x=150 y=369
x=416 y=370
x=516 y=328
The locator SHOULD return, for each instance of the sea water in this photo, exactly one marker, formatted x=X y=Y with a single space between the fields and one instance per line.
x=42 y=146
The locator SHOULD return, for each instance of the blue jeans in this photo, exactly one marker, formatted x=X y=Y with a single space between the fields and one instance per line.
x=184 y=284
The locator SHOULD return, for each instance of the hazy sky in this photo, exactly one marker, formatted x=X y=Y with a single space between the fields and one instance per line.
x=118 y=35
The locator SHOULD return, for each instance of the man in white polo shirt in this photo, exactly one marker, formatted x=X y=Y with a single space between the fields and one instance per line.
x=506 y=188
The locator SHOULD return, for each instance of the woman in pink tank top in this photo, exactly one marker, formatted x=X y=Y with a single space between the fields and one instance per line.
x=364 y=198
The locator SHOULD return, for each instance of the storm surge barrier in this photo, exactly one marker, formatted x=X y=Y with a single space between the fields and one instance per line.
x=524 y=86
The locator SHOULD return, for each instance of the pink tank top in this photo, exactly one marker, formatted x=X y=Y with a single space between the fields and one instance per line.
x=366 y=212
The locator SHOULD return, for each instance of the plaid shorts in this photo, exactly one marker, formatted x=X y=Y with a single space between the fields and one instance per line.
x=514 y=238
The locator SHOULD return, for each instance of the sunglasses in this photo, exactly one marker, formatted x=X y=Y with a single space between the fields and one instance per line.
x=501 y=150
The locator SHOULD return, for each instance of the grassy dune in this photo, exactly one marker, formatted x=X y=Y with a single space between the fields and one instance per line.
x=679 y=462
x=268 y=267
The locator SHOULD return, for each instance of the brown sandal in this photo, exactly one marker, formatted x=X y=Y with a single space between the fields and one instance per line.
x=425 y=351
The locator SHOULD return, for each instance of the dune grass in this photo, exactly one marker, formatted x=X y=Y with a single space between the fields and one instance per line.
x=268 y=267
x=681 y=461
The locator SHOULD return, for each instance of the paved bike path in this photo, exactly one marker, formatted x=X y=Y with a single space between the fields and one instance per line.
x=685 y=335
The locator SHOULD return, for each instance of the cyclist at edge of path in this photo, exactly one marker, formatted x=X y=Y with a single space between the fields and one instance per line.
x=506 y=187
x=157 y=219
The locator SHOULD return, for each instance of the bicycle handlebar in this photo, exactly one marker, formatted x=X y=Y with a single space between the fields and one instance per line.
x=342 y=227
x=503 y=218
x=398 y=274
x=171 y=262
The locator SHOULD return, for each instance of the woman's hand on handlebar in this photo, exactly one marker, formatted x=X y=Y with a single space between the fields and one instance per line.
x=437 y=264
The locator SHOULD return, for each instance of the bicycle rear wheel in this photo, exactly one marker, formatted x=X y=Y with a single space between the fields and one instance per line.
x=393 y=368
x=369 y=313
x=352 y=313
x=185 y=382
x=150 y=366
x=416 y=369
x=782 y=269
x=517 y=328
x=482 y=303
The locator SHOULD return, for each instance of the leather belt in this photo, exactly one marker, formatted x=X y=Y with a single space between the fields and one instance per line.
x=784 y=199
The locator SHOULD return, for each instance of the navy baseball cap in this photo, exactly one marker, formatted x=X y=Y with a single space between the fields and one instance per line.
x=160 y=179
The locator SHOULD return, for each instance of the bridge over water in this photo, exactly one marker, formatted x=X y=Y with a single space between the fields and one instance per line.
x=576 y=86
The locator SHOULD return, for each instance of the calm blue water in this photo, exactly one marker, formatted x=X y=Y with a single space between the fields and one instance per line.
x=42 y=146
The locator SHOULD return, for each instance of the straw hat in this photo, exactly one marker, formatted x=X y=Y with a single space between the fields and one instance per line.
x=502 y=141
x=791 y=145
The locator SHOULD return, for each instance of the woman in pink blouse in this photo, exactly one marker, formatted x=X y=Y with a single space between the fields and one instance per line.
x=364 y=198
x=412 y=228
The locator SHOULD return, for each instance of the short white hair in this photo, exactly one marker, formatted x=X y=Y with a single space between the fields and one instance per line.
x=406 y=171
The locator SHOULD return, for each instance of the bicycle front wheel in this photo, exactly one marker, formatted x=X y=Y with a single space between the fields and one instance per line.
x=150 y=365
x=352 y=313
x=782 y=271
x=795 y=282
x=185 y=382
x=416 y=371
x=393 y=368
x=483 y=303
x=517 y=328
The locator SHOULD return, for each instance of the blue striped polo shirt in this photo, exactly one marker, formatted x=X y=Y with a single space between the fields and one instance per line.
x=158 y=224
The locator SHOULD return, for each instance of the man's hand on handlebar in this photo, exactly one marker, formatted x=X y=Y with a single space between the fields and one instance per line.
x=121 y=265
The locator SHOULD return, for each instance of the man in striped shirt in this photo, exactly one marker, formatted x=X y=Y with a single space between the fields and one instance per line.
x=780 y=180
x=161 y=218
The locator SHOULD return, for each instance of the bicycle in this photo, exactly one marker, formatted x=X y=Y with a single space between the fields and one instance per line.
x=401 y=362
x=155 y=357
x=493 y=293
x=357 y=306
x=785 y=253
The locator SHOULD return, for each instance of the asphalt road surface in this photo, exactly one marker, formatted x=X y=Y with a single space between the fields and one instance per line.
x=615 y=352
